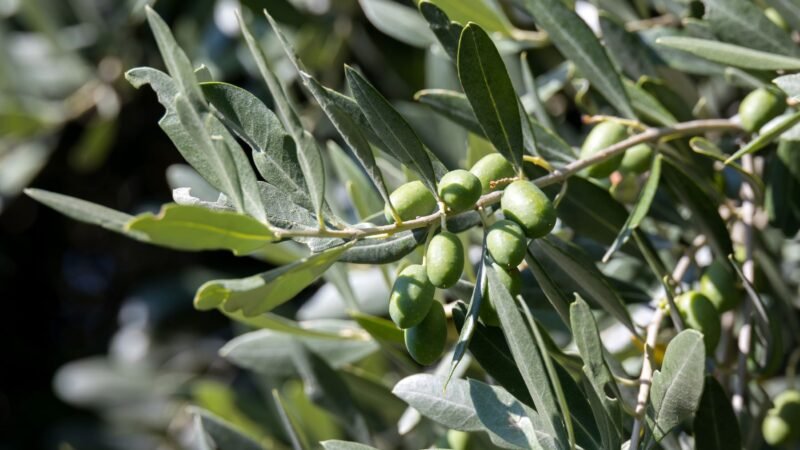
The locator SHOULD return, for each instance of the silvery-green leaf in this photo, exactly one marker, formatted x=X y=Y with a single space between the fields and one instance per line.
x=743 y=23
x=84 y=211
x=261 y=293
x=392 y=129
x=677 y=387
x=445 y=30
x=269 y=352
x=730 y=54
x=344 y=445
x=217 y=434
x=197 y=228
x=178 y=64
x=485 y=13
x=577 y=42
x=398 y=21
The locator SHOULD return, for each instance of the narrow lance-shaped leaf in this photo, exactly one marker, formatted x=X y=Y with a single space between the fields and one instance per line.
x=471 y=318
x=221 y=433
x=199 y=150
x=398 y=21
x=489 y=90
x=86 y=212
x=765 y=138
x=227 y=168
x=571 y=265
x=590 y=347
x=742 y=22
x=344 y=445
x=178 y=64
x=577 y=42
x=676 y=388
x=730 y=54
x=324 y=385
x=308 y=152
x=392 y=129
x=528 y=357
x=260 y=293
x=344 y=123
x=274 y=151
x=715 y=424
x=293 y=429
x=486 y=13
x=551 y=290
x=446 y=31
x=197 y=228
x=639 y=212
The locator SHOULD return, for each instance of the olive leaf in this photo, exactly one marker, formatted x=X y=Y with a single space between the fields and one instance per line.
x=715 y=424
x=260 y=293
x=743 y=23
x=577 y=42
x=677 y=387
x=489 y=90
x=308 y=153
x=730 y=54
x=197 y=228
x=446 y=31
x=178 y=64
x=214 y=433
x=397 y=135
x=639 y=211
x=528 y=356
x=269 y=352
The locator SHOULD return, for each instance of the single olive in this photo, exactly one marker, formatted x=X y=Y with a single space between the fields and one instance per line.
x=411 y=297
x=444 y=260
x=602 y=136
x=459 y=190
x=506 y=243
x=458 y=440
x=699 y=314
x=626 y=189
x=637 y=159
x=411 y=200
x=490 y=168
x=719 y=285
x=780 y=426
x=425 y=341
x=526 y=204
x=759 y=107
x=512 y=281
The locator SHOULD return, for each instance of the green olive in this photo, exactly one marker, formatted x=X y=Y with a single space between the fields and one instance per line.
x=759 y=107
x=506 y=243
x=459 y=190
x=458 y=440
x=637 y=159
x=411 y=200
x=526 y=204
x=512 y=281
x=780 y=426
x=602 y=136
x=411 y=297
x=444 y=260
x=699 y=314
x=718 y=285
x=490 y=168
x=425 y=341
x=626 y=190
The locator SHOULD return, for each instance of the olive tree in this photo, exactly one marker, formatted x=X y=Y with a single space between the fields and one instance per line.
x=629 y=281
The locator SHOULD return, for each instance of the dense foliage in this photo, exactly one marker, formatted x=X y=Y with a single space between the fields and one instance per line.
x=629 y=280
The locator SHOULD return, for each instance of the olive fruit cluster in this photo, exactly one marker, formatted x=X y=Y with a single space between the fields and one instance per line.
x=781 y=426
x=528 y=213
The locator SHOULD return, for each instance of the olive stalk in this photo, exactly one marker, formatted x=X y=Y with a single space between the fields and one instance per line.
x=648 y=135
